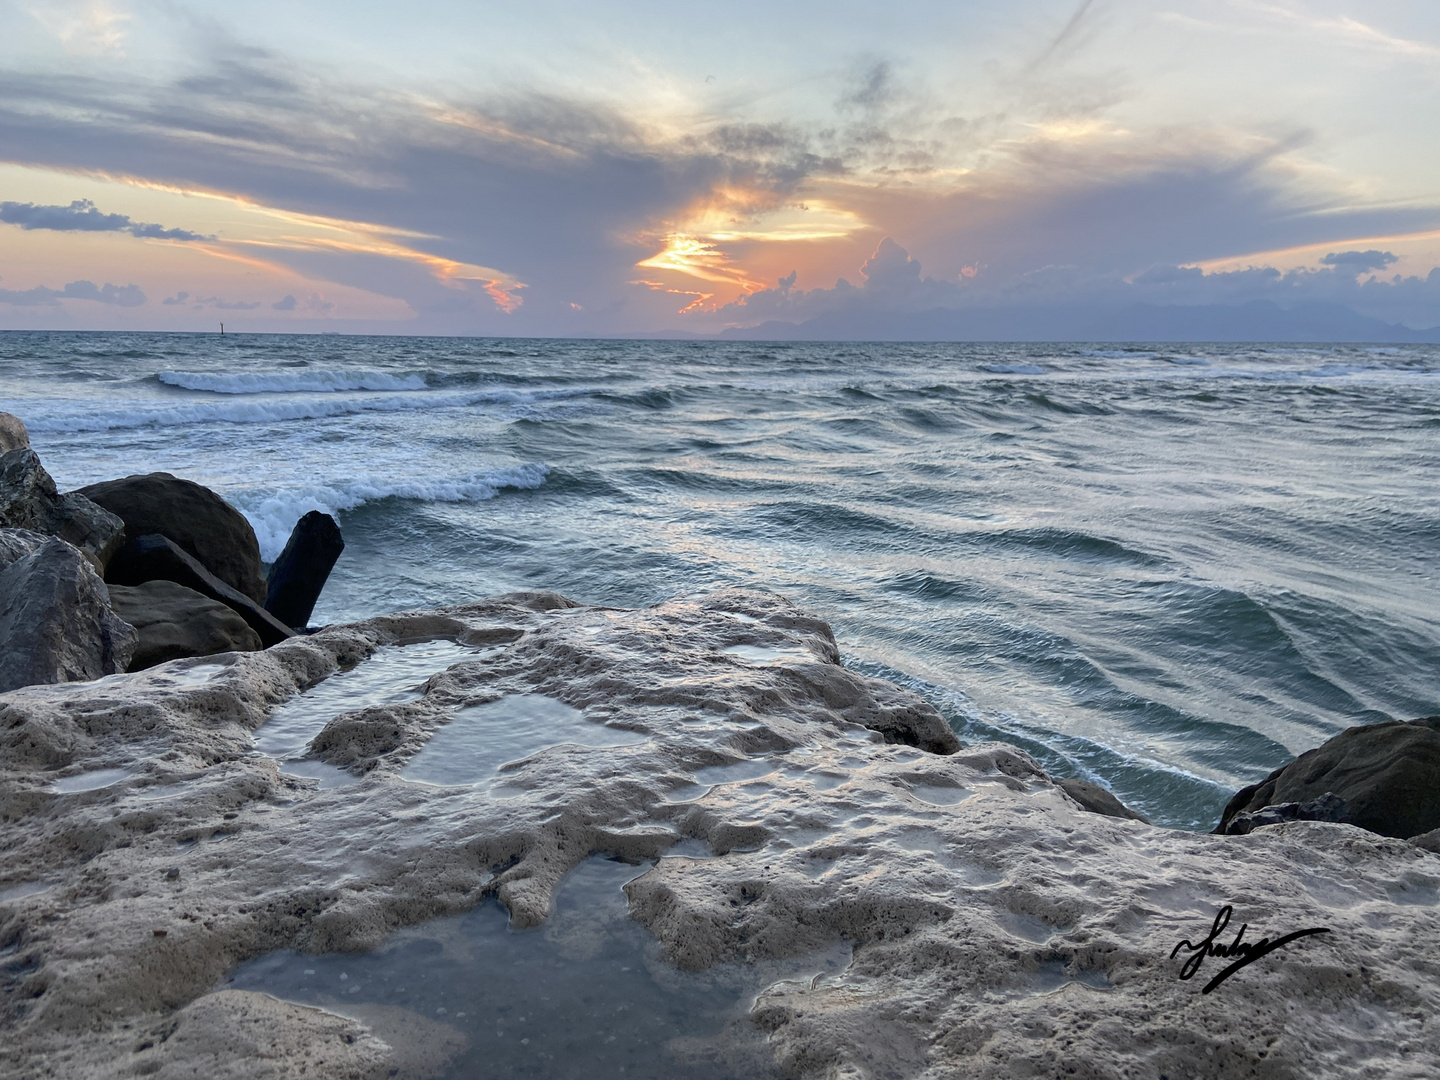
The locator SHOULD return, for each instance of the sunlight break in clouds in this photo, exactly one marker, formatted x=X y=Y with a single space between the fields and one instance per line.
x=610 y=172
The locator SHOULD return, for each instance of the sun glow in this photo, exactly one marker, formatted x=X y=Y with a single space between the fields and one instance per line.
x=698 y=247
x=699 y=258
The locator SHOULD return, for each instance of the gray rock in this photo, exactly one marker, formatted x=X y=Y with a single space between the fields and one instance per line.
x=1430 y=841
x=198 y=520
x=29 y=500
x=173 y=622
x=55 y=620
x=17 y=543
x=13 y=435
x=301 y=570
x=1097 y=800
x=1329 y=807
x=155 y=557
x=1388 y=775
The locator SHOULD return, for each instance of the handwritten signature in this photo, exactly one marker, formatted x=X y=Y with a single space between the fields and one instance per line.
x=1246 y=952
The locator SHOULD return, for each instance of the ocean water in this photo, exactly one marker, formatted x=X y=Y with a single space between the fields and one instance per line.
x=1165 y=569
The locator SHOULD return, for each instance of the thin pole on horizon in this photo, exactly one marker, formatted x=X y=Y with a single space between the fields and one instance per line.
x=222 y=329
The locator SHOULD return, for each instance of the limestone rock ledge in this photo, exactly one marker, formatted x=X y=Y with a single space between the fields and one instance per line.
x=999 y=929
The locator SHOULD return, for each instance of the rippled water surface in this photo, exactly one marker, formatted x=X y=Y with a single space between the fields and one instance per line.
x=585 y=997
x=1168 y=570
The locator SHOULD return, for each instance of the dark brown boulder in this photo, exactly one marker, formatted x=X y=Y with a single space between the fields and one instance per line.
x=29 y=500
x=197 y=519
x=1388 y=775
x=155 y=557
x=173 y=622
x=1097 y=800
x=301 y=570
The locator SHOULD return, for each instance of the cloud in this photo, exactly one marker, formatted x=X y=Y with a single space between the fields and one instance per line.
x=1352 y=32
x=1065 y=38
x=184 y=299
x=894 y=292
x=226 y=305
x=83 y=27
x=561 y=194
x=569 y=196
x=314 y=303
x=83 y=216
x=1358 y=262
x=119 y=295
x=870 y=88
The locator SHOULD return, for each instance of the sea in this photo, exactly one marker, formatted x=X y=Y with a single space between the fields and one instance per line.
x=1164 y=569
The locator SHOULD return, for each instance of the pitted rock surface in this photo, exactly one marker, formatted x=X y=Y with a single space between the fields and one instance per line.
x=998 y=929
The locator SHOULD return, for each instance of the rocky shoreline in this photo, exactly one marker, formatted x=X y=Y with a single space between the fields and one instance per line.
x=773 y=802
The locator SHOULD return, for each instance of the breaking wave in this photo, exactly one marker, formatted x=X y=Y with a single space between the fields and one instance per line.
x=273 y=515
x=270 y=410
x=286 y=382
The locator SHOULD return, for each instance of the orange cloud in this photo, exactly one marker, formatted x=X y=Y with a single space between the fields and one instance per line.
x=245 y=223
x=701 y=259
x=659 y=286
x=703 y=241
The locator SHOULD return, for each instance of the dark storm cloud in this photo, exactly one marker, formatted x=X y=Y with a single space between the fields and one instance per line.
x=119 y=295
x=83 y=216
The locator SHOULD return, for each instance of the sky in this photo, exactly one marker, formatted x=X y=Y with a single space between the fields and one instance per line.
x=839 y=169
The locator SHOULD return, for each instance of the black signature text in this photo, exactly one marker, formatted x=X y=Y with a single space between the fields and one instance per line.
x=1242 y=952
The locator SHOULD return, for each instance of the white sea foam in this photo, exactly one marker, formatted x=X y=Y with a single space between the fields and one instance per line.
x=274 y=514
x=317 y=381
x=1013 y=369
x=270 y=410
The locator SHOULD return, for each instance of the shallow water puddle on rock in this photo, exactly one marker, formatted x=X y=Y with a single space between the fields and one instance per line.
x=195 y=675
x=940 y=794
x=771 y=655
x=161 y=792
x=392 y=675
x=88 y=781
x=481 y=738
x=692 y=847
x=711 y=776
x=1055 y=975
x=19 y=892
x=1027 y=927
x=586 y=996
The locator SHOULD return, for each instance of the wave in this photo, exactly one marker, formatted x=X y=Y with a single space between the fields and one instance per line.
x=1013 y=369
x=320 y=381
x=270 y=410
x=273 y=516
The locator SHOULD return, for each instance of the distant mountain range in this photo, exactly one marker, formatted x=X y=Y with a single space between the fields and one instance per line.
x=1258 y=320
